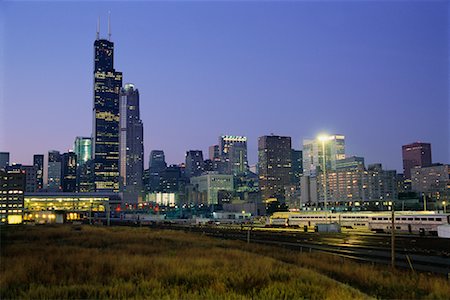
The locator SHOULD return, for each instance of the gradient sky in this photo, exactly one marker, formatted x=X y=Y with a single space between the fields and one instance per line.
x=376 y=72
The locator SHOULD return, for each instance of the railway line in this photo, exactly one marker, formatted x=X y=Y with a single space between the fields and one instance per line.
x=424 y=254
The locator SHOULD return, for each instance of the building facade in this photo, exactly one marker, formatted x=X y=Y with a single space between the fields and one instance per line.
x=12 y=188
x=82 y=147
x=54 y=171
x=105 y=135
x=131 y=156
x=4 y=160
x=415 y=155
x=210 y=184
x=38 y=162
x=275 y=166
x=313 y=153
x=233 y=152
x=69 y=172
x=194 y=163
x=432 y=181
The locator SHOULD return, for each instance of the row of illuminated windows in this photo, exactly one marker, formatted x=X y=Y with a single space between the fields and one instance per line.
x=10 y=211
x=12 y=192
x=409 y=219
x=12 y=205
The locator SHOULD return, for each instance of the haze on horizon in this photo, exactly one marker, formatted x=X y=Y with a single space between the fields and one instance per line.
x=376 y=72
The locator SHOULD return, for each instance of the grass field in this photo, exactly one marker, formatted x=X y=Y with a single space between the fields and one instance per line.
x=64 y=262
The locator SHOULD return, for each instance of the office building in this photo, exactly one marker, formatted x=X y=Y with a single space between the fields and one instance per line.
x=69 y=172
x=432 y=181
x=31 y=184
x=351 y=186
x=131 y=156
x=105 y=135
x=194 y=163
x=210 y=184
x=415 y=155
x=38 y=162
x=214 y=153
x=82 y=147
x=157 y=161
x=297 y=166
x=233 y=152
x=313 y=153
x=4 y=160
x=54 y=171
x=350 y=163
x=12 y=188
x=275 y=167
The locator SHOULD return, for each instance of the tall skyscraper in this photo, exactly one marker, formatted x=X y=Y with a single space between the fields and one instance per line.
x=274 y=160
x=157 y=162
x=4 y=160
x=54 y=171
x=233 y=151
x=297 y=166
x=214 y=153
x=82 y=148
x=313 y=153
x=131 y=156
x=194 y=163
x=105 y=143
x=69 y=172
x=38 y=162
x=415 y=155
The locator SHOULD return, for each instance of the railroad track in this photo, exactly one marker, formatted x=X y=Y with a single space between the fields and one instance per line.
x=371 y=249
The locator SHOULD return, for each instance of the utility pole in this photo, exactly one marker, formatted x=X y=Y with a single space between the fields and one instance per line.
x=424 y=202
x=393 y=237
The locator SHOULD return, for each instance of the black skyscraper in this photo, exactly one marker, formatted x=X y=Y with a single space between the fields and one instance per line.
x=69 y=172
x=131 y=156
x=38 y=162
x=105 y=143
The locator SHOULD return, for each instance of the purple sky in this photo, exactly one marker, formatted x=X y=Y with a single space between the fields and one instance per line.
x=376 y=72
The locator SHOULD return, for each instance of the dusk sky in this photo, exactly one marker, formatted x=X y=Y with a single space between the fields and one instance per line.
x=376 y=72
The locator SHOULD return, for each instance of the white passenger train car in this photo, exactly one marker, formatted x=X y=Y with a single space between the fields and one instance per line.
x=425 y=223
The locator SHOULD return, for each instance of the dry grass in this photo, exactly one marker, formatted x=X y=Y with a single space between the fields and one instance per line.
x=63 y=263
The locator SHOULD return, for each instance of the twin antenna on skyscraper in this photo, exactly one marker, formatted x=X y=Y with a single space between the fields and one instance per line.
x=109 y=27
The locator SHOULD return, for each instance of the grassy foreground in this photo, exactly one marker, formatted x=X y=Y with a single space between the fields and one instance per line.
x=64 y=262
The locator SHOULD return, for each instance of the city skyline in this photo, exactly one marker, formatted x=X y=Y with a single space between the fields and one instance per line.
x=194 y=122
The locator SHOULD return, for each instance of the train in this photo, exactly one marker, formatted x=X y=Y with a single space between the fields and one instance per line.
x=423 y=223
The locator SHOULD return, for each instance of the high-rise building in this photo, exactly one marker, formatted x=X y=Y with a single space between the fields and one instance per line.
x=432 y=181
x=4 y=160
x=275 y=167
x=297 y=166
x=38 y=162
x=351 y=185
x=82 y=147
x=105 y=136
x=214 y=153
x=415 y=155
x=313 y=153
x=12 y=188
x=69 y=172
x=194 y=163
x=157 y=162
x=233 y=151
x=31 y=184
x=54 y=171
x=131 y=156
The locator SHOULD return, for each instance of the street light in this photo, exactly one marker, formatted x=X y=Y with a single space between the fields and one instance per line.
x=444 y=204
x=323 y=139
